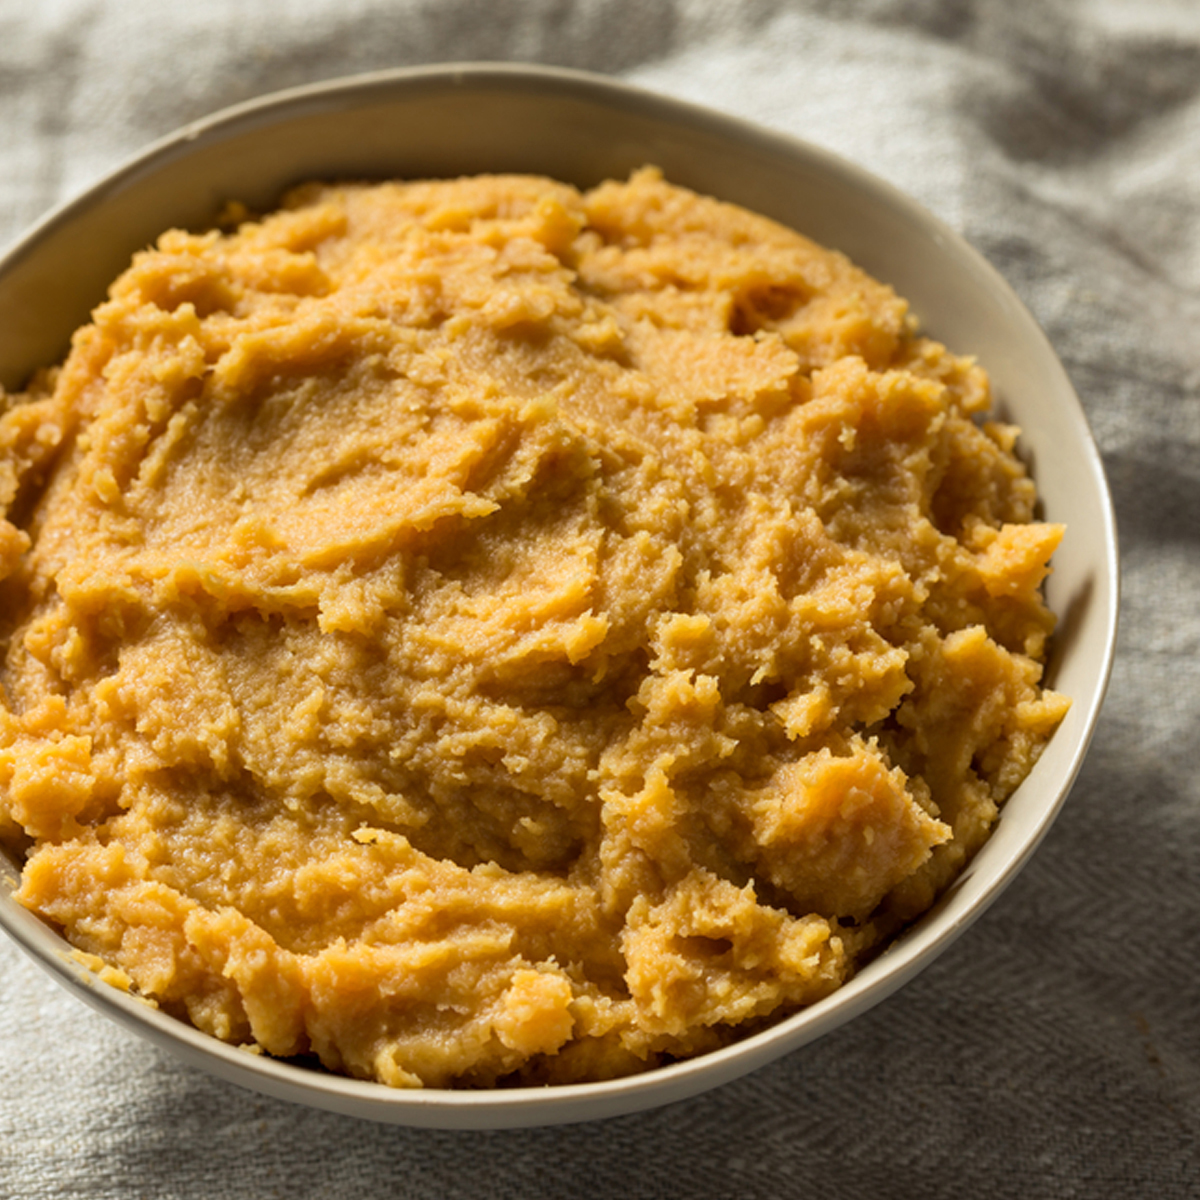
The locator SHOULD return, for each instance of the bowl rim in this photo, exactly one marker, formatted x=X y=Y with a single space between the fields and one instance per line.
x=931 y=935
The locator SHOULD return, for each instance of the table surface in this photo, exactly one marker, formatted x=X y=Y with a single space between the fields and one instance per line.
x=1055 y=1050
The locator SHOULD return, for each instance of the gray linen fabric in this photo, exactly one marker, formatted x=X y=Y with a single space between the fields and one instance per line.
x=1055 y=1051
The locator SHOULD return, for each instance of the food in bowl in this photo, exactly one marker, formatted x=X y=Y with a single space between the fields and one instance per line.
x=474 y=631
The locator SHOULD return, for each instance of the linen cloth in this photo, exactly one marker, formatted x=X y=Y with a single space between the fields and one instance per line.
x=1053 y=1051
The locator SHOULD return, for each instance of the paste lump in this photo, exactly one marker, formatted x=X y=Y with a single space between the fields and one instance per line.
x=477 y=631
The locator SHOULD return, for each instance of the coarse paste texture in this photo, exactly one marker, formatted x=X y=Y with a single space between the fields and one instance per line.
x=476 y=631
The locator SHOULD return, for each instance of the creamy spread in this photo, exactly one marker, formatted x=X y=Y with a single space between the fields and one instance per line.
x=477 y=631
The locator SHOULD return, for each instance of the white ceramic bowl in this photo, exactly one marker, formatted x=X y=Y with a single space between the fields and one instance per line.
x=466 y=119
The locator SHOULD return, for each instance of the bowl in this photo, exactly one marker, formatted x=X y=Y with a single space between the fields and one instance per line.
x=470 y=118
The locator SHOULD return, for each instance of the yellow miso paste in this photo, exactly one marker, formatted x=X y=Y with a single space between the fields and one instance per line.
x=477 y=631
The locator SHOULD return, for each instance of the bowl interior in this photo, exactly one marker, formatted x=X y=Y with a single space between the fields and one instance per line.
x=581 y=129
